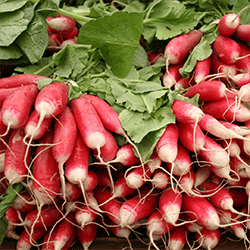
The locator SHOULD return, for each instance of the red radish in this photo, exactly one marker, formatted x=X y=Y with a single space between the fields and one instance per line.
x=241 y=79
x=228 y=24
x=154 y=57
x=154 y=161
x=5 y=92
x=104 y=181
x=74 y=33
x=20 y=80
x=76 y=167
x=214 y=153
x=240 y=166
x=184 y=83
x=224 y=70
x=90 y=182
x=54 y=41
x=186 y=182
x=244 y=93
x=208 y=239
x=27 y=239
x=157 y=226
x=112 y=207
x=16 y=107
x=72 y=192
x=199 y=209
x=84 y=215
x=179 y=47
x=239 y=196
x=15 y=165
x=243 y=32
x=226 y=49
x=170 y=203
x=167 y=146
x=177 y=238
x=243 y=64
x=138 y=176
x=88 y=122
x=208 y=90
x=182 y=163
x=191 y=136
x=11 y=234
x=126 y=156
x=31 y=125
x=64 y=138
x=220 y=197
x=2 y=159
x=238 y=228
x=227 y=110
x=201 y=175
x=62 y=23
x=211 y=125
x=172 y=75
x=190 y=225
x=48 y=240
x=24 y=202
x=186 y=112
x=86 y=235
x=47 y=217
x=109 y=150
x=46 y=184
x=11 y=215
x=139 y=206
x=202 y=69
x=160 y=179
x=50 y=30
x=68 y=41
x=65 y=231
x=236 y=128
x=121 y=188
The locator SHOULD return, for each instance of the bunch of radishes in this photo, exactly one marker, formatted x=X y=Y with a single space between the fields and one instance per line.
x=62 y=30
x=77 y=177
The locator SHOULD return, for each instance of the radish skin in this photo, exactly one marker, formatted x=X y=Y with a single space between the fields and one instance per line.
x=86 y=235
x=177 y=238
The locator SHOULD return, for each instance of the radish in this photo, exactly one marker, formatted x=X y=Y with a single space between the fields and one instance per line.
x=89 y=124
x=65 y=231
x=215 y=154
x=139 y=206
x=177 y=238
x=243 y=64
x=55 y=40
x=64 y=138
x=208 y=90
x=208 y=239
x=243 y=31
x=172 y=75
x=154 y=161
x=202 y=69
x=160 y=179
x=84 y=215
x=20 y=80
x=67 y=41
x=62 y=23
x=86 y=235
x=157 y=226
x=184 y=83
x=154 y=57
x=76 y=167
x=186 y=112
x=170 y=203
x=72 y=192
x=11 y=215
x=15 y=165
x=11 y=234
x=199 y=209
x=241 y=79
x=190 y=225
x=201 y=175
x=191 y=136
x=228 y=24
x=226 y=49
x=27 y=239
x=243 y=93
x=31 y=125
x=46 y=181
x=112 y=207
x=69 y=36
x=49 y=29
x=5 y=92
x=167 y=145
x=227 y=110
x=24 y=202
x=16 y=107
x=240 y=167
x=121 y=188
x=243 y=131
x=239 y=196
x=211 y=125
x=179 y=47
x=90 y=182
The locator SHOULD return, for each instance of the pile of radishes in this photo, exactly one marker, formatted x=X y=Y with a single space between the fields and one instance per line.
x=78 y=180
x=62 y=30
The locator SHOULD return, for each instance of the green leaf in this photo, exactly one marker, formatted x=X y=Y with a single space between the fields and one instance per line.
x=3 y=228
x=34 y=40
x=117 y=36
x=132 y=120
x=11 y=5
x=10 y=52
x=12 y=24
x=140 y=58
x=71 y=61
x=167 y=19
x=244 y=17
